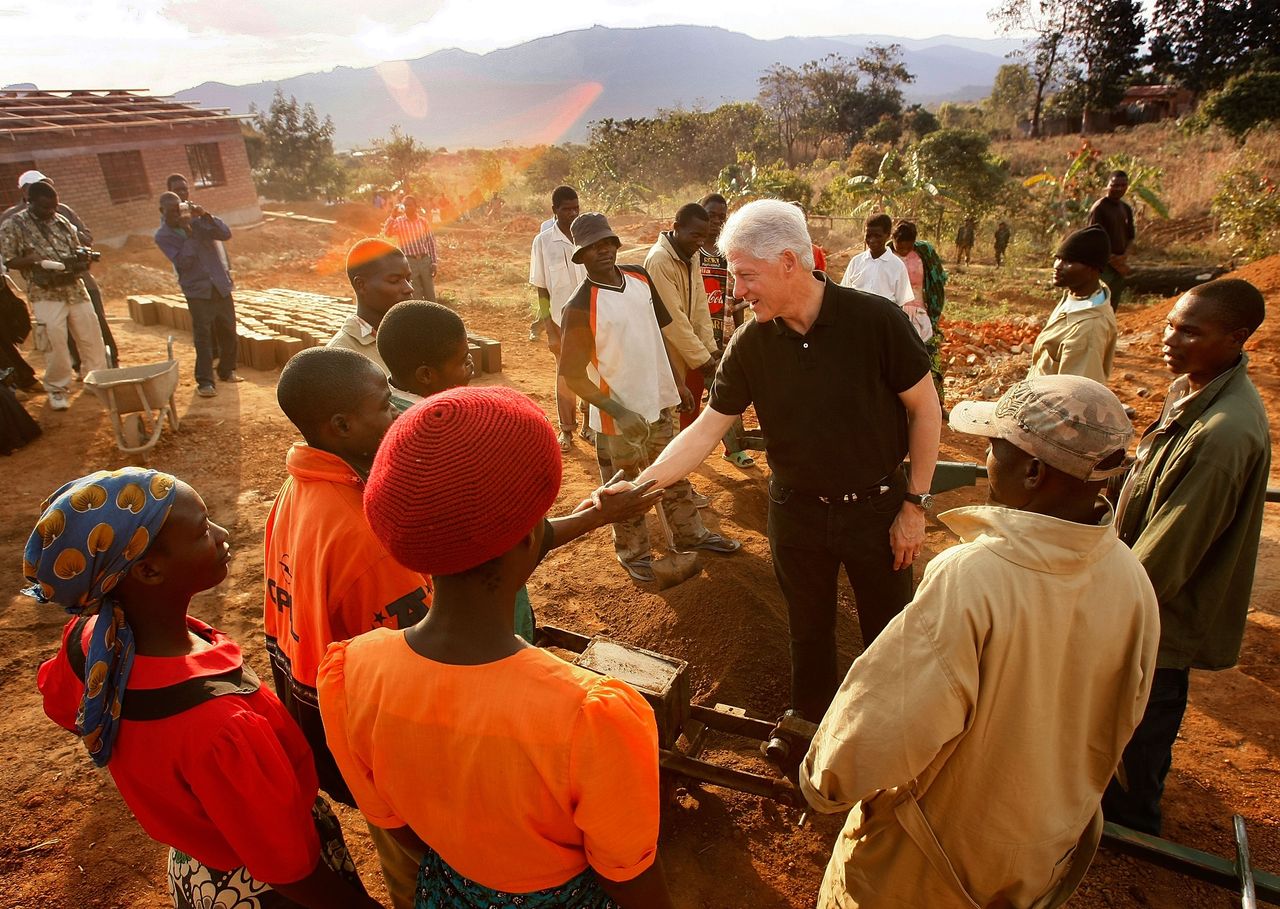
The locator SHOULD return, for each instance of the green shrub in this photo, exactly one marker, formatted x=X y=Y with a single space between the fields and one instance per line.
x=1245 y=102
x=1247 y=207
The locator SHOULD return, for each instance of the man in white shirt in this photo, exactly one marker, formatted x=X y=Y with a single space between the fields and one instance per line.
x=876 y=270
x=555 y=276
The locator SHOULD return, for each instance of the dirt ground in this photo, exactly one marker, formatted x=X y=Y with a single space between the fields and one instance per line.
x=66 y=839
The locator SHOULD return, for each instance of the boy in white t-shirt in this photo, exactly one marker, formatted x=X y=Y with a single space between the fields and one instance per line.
x=876 y=270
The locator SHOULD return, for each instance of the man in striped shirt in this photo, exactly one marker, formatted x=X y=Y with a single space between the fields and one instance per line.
x=412 y=233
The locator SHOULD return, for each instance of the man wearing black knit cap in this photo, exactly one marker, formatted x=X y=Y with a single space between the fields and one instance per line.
x=1080 y=337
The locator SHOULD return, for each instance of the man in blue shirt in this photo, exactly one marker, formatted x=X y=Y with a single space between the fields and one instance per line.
x=187 y=236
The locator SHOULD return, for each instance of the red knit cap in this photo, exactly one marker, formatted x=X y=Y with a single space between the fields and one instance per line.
x=461 y=478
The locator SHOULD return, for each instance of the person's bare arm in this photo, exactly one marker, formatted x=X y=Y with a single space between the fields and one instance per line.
x=323 y=888
x=647 y=890
x=577 y=345
x=924 y=428
x=689 y=448
x=615 y=501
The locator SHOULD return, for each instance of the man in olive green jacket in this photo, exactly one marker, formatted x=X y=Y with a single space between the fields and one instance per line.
x=1191 y=509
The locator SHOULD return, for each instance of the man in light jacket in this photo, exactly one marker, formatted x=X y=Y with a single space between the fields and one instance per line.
x=974 y=738
x=675 y=265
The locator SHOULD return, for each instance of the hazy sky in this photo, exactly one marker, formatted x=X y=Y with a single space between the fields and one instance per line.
x=166 y=45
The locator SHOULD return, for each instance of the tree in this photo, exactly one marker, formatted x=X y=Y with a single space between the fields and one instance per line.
x=783 y=95
x=1048 y=22
x=1012 y=95
x=297 y=160
x=1245 y=102
x=403 y=156
x=830 y=87
x=959 y=163
x=1104 y=37
x=1202 y=44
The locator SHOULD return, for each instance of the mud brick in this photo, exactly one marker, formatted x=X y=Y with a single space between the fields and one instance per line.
x=181 y=316
x=148 y=312
x=490 y=355
x=262 y=351
x=477 y=355
x=286 y=347
x=663 y=681
x=164 y=313
x=132 y=303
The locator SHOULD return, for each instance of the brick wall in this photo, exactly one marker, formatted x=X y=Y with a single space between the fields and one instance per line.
x=71 y=161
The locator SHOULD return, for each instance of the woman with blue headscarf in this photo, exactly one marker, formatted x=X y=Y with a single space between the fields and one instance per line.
x=208 y=760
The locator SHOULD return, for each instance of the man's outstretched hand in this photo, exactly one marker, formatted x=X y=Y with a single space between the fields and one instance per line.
x=620 y=500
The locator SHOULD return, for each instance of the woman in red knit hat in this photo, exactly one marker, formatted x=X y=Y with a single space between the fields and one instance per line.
x=520 y=778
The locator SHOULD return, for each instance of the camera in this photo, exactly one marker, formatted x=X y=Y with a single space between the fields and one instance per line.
x=73 y=266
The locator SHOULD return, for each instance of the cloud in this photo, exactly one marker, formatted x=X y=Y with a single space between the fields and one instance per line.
x=287 y=18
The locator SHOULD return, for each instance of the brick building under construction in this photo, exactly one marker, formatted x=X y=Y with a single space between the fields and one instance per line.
x=109 y=152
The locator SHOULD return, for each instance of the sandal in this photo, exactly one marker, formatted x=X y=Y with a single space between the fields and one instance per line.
x=740 y=459
x=566 y=441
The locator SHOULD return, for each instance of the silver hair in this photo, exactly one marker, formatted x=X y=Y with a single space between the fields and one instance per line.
x=765 y=229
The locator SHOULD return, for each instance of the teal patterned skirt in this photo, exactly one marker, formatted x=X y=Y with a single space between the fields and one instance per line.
x=440 y=887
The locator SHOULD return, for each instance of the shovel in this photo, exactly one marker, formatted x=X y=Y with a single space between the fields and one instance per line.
x=677 y=566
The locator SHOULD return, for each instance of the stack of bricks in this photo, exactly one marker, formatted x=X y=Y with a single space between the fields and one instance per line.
x=273 y=325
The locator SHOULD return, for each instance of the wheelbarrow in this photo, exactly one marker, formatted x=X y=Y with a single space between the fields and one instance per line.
x=139 y=399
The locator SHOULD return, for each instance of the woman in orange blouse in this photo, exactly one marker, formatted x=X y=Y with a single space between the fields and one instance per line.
x=522 y=779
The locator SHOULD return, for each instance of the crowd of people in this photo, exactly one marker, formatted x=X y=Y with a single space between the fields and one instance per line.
x=1031 y=683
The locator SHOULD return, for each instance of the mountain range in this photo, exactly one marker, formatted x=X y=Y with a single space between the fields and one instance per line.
x=549 y=89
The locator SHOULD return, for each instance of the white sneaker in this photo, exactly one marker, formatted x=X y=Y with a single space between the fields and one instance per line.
x=58 y=401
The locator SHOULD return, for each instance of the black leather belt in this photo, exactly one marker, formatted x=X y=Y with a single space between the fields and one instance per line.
x=878 y=489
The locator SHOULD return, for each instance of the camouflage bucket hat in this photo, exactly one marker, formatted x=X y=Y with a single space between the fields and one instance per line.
x=1069 y=422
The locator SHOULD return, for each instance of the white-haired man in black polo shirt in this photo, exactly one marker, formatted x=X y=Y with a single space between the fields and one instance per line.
x=841 y=384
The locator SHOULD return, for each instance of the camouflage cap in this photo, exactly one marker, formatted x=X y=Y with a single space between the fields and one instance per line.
x=1069 y=422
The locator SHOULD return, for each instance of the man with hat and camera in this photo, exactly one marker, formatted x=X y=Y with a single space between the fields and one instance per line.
x=25 y=180
x=46 y=248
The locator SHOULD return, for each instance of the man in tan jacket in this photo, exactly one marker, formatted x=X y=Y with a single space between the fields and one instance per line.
x=675 y=265
x=974 y=738
x=1080 y=337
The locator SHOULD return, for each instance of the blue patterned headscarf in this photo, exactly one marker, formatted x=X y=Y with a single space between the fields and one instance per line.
x=90 y=532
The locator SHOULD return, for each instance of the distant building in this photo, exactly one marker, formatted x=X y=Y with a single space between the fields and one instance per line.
x=109 y=152
x=1150 y=103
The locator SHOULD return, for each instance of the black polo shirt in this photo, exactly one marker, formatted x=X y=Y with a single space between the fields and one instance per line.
x=827 y=401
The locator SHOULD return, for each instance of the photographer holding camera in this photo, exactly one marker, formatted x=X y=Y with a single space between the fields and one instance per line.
x=25 y=180
x=188 y=236
x=45 y=247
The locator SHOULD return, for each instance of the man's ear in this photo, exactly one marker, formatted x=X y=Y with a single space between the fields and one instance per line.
x=1240 y=335
x=340 y=425
x=357 y=283
x=1037 y=473
x=790 y=261
x=425 y=376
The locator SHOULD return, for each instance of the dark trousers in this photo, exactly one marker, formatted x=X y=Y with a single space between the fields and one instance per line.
x=1114 y=280
x=213 y=327
x=1148 y=756
x=95 y=297
x=810 y=541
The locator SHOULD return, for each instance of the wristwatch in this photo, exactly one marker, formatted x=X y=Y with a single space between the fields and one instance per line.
x=925 y=500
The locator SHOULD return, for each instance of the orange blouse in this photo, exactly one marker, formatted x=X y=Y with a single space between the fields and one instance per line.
x=519 y=773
